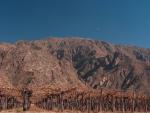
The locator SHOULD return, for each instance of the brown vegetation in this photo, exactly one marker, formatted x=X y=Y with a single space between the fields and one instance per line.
x=62 y=64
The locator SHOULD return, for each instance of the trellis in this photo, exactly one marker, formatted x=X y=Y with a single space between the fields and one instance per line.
x=75 y=99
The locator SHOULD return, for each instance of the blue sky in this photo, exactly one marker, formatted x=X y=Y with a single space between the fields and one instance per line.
x=116 y=21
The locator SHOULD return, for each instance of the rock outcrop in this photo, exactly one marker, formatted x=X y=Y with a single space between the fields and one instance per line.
x=75 y=62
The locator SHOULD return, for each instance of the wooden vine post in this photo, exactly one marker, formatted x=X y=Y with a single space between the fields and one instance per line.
x=26 y=94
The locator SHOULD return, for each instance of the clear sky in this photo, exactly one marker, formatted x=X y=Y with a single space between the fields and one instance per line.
x=116 y=21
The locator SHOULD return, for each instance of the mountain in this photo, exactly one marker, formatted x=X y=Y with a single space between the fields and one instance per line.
x=67 y=62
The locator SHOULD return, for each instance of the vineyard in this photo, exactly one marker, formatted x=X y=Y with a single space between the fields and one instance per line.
x=74 y=99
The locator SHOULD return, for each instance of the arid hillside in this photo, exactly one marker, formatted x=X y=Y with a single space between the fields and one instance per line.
x=74 y=62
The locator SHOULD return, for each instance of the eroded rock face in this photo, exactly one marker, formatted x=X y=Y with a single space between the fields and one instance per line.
x=75 y=62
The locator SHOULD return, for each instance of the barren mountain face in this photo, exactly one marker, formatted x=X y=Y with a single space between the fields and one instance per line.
x=74 y=62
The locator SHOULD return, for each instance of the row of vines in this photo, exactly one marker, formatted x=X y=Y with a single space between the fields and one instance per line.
x=76 y=100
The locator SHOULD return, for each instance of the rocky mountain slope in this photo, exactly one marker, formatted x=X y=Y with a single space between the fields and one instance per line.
x=74 y=62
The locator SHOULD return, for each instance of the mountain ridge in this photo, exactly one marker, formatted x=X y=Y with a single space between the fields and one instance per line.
x=75 y=62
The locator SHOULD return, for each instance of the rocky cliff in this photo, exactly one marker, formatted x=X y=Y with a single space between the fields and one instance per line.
x=74 y=62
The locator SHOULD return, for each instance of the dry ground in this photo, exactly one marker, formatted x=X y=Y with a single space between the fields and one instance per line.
x=34 y=109
x=20 y=111
x=60 y=112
